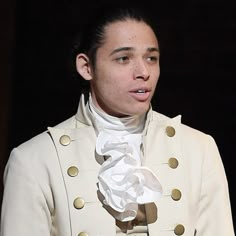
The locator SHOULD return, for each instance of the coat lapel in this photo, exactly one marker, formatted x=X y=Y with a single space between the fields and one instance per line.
x=76 y=155
x=163 y=155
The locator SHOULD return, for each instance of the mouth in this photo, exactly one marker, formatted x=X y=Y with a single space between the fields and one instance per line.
x=140 y=91
x=141 y=94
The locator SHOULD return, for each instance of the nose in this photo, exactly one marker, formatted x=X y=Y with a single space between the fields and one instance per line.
x=141 y=70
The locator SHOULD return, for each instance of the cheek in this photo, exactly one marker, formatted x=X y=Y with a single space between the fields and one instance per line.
x=156 y=75
x=113 y=79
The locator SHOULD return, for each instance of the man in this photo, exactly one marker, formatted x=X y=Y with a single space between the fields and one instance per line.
x=117 y=167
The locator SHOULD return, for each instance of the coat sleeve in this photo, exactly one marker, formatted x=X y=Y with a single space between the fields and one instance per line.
x=214 y=215
x=24 y=208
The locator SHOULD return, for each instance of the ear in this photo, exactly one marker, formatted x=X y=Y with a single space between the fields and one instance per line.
x=83 y=66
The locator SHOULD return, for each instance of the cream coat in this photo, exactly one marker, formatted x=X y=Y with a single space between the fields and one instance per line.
x=39 y=194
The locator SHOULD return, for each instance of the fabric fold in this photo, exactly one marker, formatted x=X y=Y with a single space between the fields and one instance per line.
x=122 y=180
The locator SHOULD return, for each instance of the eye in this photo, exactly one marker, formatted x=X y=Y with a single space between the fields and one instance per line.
x=153 y=58
x=122 y=60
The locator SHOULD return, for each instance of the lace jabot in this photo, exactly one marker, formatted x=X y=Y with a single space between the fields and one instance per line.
x=122 y=180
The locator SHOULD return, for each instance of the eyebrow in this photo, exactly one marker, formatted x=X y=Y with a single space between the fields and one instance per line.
x=151 y=49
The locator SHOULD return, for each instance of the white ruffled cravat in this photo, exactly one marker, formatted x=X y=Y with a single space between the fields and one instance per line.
x=123 y=181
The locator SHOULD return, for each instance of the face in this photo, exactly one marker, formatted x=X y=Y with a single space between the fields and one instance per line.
x=127 y=69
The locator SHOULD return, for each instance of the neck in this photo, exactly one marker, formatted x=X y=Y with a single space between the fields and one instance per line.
x=132 y=124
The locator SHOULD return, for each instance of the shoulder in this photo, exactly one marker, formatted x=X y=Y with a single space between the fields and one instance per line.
x=185 y=132
x=195 y=145
x=43 y=139
x=39 y=148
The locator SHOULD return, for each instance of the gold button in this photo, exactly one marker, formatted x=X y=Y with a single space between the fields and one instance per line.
x=65 y=140
x=83 y=234
x=179 y=230
x=73 y=171
x=170 y=131
x=176 y=194
x=79 y=203
x=173 y=163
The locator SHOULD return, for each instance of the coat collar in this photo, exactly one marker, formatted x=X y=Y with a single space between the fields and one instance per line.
x=82 y=115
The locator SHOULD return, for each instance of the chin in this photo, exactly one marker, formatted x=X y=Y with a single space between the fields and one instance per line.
x=140 y=110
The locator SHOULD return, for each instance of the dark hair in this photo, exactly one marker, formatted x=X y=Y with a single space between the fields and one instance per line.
x=91 y=35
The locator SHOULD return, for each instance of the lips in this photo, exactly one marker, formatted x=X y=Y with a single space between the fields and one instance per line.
x=141 y=94
x=140 y=90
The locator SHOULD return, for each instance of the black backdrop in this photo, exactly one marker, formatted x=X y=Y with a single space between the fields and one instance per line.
x=198 y=51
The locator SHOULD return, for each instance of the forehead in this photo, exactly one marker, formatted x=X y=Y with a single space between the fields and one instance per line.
x=129 y=33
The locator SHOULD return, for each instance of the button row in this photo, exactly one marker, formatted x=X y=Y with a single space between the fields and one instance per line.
x=73 y=171
x=176 y=193
x=173 y=162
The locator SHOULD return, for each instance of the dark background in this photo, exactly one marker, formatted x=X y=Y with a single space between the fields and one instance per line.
x=198 y=58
